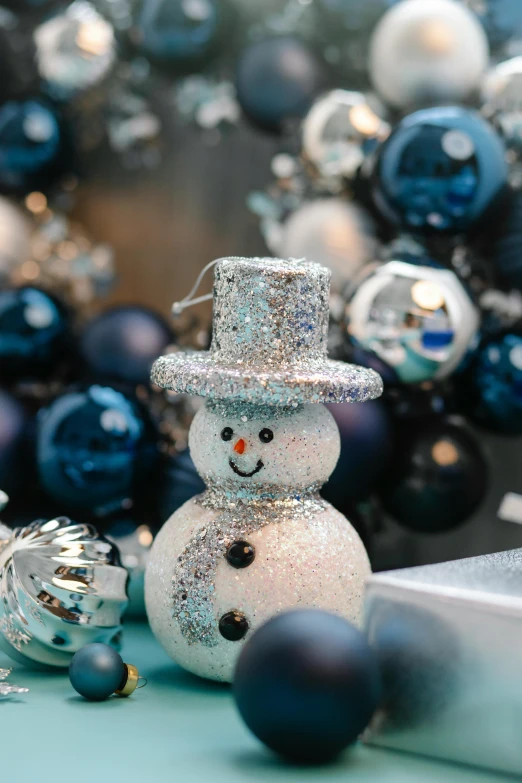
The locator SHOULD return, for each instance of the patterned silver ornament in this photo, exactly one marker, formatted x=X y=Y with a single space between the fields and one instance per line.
x=419 y=320
x=61 y=587
x=502 y=97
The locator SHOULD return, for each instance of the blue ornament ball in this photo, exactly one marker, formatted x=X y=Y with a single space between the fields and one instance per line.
x=179 y=34
x=35 y=333
x=277 y=80
x=506 y=248
x=13 y=423
x=438 y=476
x=96 y=671
x=35 y=147
x=180 y=482
x=441 y=170
x=496 y=379
x=307 y=684
x=366 y=447
x=122 y=343
x=95 y=449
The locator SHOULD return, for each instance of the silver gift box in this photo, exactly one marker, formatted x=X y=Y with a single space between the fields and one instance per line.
x=449 y=638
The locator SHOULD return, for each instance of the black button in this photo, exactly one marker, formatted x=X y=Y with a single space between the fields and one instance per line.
x=233 y=626
x=240 y=554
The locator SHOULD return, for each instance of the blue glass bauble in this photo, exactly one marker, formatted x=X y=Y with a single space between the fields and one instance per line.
x=34 y=147
x=277 y=80
x=438 y=476
x=307 y=684
x=366 y=448
x=181 y=33
x=122 y=343
x=497 y=385
x=441 y=169
x=97 y=671
x=12 y=434
x=34 y=333
x=95 y=449
x=180 y=482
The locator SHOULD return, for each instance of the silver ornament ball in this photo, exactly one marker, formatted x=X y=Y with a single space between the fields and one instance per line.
x=502 y=99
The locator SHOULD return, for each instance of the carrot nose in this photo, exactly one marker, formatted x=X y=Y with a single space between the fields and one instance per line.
x=240 y=446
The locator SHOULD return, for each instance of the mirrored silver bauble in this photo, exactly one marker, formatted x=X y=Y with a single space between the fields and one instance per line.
x=419 y=320
x=336 y=129
x=333 y=232
x=434 y=50
x=14 y=238
x=502 y=97
x=61 y=587
x=75 y=50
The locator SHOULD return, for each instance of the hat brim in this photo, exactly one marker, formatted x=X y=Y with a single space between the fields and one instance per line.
x=330 y=381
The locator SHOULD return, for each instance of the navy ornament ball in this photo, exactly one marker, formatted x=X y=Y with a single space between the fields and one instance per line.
x=438 y=476
x=95 y=447
x=307 y=684
x=496 y=379
x=122 y=343
x=277 y=80
x=34 y=333
x=441 y=170
x=97 y=671
x=35 y=148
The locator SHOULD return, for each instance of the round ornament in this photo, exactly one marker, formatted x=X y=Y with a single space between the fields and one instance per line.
x=34 y=148
x=122 y=343
x=338 y=131
x=97 y=671
x=277 y=80
x=94 y=448
x=75 y=50
x=419 y=320
x=14 y=238
x=502 y=99
x=332 y=231
x=441 y=169
x=12 y=434
x=181 y=34
x=497 y=385
x=438 y=476
x=307 y=684
x=34 y=333
x=506 y=248
x=434 y=51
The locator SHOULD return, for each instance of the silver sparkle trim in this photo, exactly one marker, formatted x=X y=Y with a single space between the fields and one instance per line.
x=6 y=689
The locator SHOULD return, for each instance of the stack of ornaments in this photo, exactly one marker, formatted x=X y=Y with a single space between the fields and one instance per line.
x=410 y=193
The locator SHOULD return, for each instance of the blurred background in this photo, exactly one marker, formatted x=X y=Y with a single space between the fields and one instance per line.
x=140 y=139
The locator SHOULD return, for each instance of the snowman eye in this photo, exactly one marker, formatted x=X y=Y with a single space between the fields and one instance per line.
x=266 y=435
x=227 y=433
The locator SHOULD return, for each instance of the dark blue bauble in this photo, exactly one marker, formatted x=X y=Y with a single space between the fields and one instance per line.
x=13 y=423
x=95 y=449
x=34 y=333
x=307 y=684
x=34 y=146
x=496 y=379
x=502 y=21
x=97 y=671
x=180 y=482
x=276 y=81
x=181 y=34
x=121 y=344
x=506 y=250
x=442 y=169
x=366 y=448
x=437 y=478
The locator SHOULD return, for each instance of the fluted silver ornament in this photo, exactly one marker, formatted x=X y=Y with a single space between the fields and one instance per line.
x=61 y=587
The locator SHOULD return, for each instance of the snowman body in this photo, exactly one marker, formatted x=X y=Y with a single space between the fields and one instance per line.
x=259 y=541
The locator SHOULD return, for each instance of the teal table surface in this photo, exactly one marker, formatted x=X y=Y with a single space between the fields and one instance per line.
x=178 y=729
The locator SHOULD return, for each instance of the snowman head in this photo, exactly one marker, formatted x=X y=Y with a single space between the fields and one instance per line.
x=259 y=449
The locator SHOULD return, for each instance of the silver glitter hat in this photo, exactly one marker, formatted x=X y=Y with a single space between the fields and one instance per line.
x=269 y=343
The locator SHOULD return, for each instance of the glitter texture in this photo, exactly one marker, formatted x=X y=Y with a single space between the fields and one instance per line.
x=270 y=330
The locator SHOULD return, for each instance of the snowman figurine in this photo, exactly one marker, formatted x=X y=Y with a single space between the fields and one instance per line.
x=260 y=540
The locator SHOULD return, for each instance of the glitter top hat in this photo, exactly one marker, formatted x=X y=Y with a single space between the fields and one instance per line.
x=269 y=344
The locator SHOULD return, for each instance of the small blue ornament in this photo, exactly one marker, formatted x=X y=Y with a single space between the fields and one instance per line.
x=497 y=385
x=277 y=80
x=441 y=170
x=180 y=34
x=307 y=684
x=94 y=448
x=34 y=148
x=34 y=333
x=122 y=343
x=97 y=671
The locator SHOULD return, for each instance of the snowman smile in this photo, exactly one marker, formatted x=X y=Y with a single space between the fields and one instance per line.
x=246 y=475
